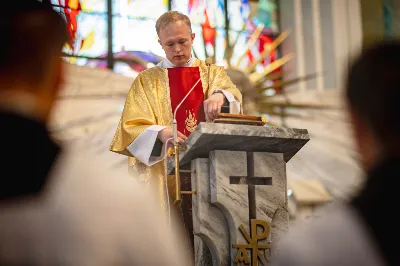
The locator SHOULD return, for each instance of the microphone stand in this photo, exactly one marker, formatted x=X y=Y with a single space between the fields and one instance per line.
x=178 y=192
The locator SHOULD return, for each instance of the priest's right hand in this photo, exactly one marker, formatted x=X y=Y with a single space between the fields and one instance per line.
x=167 y=133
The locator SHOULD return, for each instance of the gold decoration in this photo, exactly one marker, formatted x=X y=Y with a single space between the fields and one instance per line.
x=171 y=152
x=191 y=122
x=256 y=76
x=264 y=120
x=242 y=254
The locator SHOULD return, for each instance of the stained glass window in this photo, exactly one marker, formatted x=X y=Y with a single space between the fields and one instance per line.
x=135 y=35
x=134 y=38
x=87 y=29
x=245 y=17
x=208 y=23
x=243 y=12
x=134 y=25
x=135 y=45
x=148 y=9
x=195 y=10
x=85 y=5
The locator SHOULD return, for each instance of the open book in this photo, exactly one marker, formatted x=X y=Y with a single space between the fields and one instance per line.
x=241 y=119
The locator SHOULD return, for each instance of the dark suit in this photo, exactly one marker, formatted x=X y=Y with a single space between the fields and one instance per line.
x=377 y=205
x=68 y=208
x=27 y=155
x=363 y=231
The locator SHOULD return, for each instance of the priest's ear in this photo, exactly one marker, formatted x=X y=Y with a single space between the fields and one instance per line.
x=192 y=35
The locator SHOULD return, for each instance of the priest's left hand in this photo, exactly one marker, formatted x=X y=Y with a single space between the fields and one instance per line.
x=212 y=106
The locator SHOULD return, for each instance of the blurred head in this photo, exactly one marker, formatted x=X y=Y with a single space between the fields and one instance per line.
x=30 y=51
x=373 y=95
x=175 y=35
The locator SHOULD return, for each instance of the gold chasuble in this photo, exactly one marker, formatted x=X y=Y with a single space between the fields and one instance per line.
x=150 y=102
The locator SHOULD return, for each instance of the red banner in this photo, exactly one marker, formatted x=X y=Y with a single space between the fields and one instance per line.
x=191 y=112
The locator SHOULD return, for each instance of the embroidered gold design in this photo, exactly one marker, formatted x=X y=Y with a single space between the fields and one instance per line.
x=264 y=120
x=171 y=152
x=191 y=121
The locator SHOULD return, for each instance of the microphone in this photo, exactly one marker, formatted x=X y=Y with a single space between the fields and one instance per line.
x=176 y=147
x=175 y=126
x=175 y=136
x=209 y=61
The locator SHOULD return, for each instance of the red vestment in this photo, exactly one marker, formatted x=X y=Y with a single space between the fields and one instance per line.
x=191 y=112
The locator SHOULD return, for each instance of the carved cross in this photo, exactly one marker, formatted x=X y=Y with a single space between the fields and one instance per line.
x=251 y=181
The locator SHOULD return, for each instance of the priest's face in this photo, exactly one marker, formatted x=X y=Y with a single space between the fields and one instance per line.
x=176 y=40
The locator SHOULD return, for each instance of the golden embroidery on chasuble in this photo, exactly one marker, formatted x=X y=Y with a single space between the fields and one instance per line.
x=190 y=121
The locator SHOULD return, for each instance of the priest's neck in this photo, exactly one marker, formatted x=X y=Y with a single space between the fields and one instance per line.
x=165 y=63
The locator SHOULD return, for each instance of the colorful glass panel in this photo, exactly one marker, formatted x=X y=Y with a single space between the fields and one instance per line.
x=99 y=6
x=195 y=10
x=135 y=44
x=241 y=12
x=208 y=23
x=135 y=35
x=88 y=31
x=149 y=9
x=245 y=17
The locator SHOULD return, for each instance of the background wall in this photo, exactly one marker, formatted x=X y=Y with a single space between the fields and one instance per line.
x=324 y=34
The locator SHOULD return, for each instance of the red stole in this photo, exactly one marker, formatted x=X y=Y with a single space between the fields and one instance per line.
x=191 y=112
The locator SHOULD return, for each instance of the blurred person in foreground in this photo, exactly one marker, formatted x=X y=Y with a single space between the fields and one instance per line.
x=56 y=209
x=362 y=231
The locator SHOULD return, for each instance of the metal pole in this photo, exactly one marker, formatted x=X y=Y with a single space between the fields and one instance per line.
x=228 y=48
x=110 y=55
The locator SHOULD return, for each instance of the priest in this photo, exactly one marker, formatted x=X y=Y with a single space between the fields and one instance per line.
x=155 y=94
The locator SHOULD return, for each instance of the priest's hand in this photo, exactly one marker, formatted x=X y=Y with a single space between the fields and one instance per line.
x=212 y=106
x=167 y=133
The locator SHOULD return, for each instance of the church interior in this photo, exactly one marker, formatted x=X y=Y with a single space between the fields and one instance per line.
x=287 y=57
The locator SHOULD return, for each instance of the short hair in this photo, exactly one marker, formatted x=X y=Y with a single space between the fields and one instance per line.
x=32 y=33
x=373 y=90
x=171 y=16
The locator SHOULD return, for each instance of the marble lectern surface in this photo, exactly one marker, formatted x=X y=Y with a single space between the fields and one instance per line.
x=239 y=211
x=208 y=137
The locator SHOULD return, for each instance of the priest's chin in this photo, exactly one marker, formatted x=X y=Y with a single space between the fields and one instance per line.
x=179 y=60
